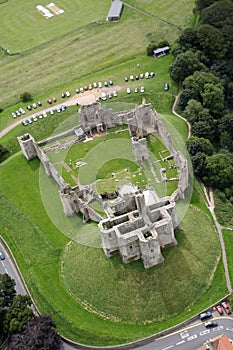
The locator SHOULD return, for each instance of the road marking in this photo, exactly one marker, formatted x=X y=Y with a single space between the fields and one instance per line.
x=217 y=328
x=194 y=336
x=229 y=329
x=180 y=342
x=184 y=334
x=5 y=267
x=168 y=347
x=204 y=332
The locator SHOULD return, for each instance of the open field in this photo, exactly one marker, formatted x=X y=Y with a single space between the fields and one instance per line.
x=58 y=52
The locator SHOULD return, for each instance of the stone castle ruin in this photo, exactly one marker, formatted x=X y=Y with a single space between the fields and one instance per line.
x=138 y=223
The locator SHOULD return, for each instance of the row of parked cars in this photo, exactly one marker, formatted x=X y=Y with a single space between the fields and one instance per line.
x=147 y=75
x=224 y=306
x=43 y=115
x=95 y=85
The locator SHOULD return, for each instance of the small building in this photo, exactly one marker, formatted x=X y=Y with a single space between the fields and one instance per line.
x=161 y=51
x=115 y=11
x=221 y=342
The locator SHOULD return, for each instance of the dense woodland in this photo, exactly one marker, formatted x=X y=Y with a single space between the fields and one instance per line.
x=19 y=327
x=203 y=67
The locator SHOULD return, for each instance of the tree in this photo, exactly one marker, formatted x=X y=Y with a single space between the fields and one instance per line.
x=213 y=99
x=185 y=64
x=25 y=96
x=202 y=129
x=4 y=153
x=150 y=49
x=212 y=42
x=7 y=291
x=18 y=314
x=218 y=171
x=218 y=14
x=195 y=112
x=39 y=333
x=188 y=38
x=185 y=96
x=198 y=162
x=199 y=145
x=201 y=4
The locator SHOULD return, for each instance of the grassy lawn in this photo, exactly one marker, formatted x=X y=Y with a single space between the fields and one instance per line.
x=228 y=240
x=41 y=244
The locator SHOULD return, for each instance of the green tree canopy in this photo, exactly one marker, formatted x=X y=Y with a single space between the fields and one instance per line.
x=199 y=145
x=213 y=99
x=201 y=4
x=218 y=14
x=185 y=64
x=7 y=291
x=218 y=171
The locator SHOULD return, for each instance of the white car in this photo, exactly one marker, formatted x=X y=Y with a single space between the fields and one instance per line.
x=142 y=89
x=128 y=91
x=35 y=119
x=40 y=116
x=114 y=93
x=51 y=112
x=147 y=75
x=95 y=85
x=103 y=96
x=100 y=84
x=13 y=115
x=67 y=94
x=131 y=77
x=29 y=121
x=136 y=90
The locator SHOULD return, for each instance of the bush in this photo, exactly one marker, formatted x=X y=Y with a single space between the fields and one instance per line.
x=25 y=96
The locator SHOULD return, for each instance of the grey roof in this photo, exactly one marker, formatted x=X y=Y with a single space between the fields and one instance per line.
x=161 y=49
x=115 y=9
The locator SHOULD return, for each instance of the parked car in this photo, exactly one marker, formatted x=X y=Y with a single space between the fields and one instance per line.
x=34 y=105
x=100 y=84
x=142 y=89
x=24 y=123
x=114 y=93
x=110 y=82
x=34 y=119
x=136 y=90
x=63 y=108
x=219 y=309
x=147 y=75
x=77 y=91
x=40 y=116
x=63 y=95
x=18 y=113
x=103 y=96
x=131 y=77
x=39 y=103
x=67 y=94
x=81 y=89
x=205 y=315
x=152 y=74
x=110 y=96
x=95 y=85
x=2 y=256
x=136 y=77
x=141 y=76
x=90 y=87
x=85 y=87
x=128 y=91
x=166 y=87
x=52 y=112
x=106 y=83
x=126 y=78
x=226 y=307
x=49 y=101
x=21 y=110
x=211 y=324
x=13 y=115
x=29 y=107
x=29 y=121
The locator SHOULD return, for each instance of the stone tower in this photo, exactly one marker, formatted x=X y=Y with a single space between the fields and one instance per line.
x=28 y=146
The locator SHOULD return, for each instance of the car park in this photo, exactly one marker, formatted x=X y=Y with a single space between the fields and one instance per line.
x=24 y=123
x=211 y=324
x=166 y=87
x=219 y=309
x=205 y=315
x=142 y=89
x=128 y=91
x=2 y=256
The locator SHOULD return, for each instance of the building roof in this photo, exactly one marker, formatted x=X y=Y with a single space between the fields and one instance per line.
x=221 y=342
x=115 y=9
x=161 y=49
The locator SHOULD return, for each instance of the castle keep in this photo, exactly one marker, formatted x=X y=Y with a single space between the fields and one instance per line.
x=138 y=223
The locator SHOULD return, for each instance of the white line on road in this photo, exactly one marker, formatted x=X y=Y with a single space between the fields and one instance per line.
x=229 y=329
x=205 y=332
x=194 y=336
x=5 y=267
x=168 y=347
x=180 y=342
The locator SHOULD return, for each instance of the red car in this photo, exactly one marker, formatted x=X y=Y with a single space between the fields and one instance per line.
x=54 y=99
x=226 y=307
x=49 y=101
x=219 y=309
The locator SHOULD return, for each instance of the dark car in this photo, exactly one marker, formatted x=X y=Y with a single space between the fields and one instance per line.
x=211 y=324
x=205 y=315
x=2 y=257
